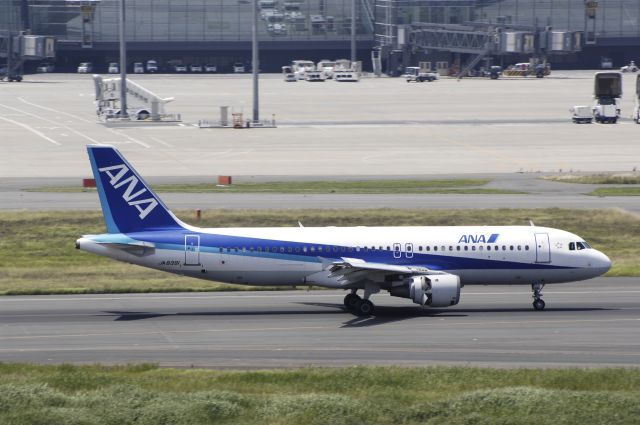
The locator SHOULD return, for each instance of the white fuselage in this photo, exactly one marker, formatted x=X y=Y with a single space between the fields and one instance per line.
x=302 y=255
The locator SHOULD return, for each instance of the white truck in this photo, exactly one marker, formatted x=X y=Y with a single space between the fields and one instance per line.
x=607 y=92
x=414 y=73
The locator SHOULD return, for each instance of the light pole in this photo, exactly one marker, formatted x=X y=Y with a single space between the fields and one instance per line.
x=123 y=64
x=255 y=65
x=353 y=34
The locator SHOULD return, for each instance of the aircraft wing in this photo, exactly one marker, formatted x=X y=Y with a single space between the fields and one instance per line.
x=353 y=270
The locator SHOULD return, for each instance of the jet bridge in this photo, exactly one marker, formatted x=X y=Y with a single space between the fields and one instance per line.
x=144 y=105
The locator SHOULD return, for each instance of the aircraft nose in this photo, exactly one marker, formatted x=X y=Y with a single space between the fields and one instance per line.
x=600 y=262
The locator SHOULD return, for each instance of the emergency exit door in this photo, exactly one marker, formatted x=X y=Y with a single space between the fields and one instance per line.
x=191 y=250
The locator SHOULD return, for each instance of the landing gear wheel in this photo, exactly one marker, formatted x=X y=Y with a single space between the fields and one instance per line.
x=350 y=301
x=538 y=305
x=364 y=308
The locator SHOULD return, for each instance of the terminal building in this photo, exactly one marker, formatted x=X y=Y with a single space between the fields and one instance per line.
x=390 y=34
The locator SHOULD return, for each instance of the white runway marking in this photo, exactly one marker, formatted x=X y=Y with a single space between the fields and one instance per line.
x=138 y=142
x=56 y=111
x=162 y=142
x=56 y=124
x=31 y=129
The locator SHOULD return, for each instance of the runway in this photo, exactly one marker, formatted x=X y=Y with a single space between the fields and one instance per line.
x=585 y=324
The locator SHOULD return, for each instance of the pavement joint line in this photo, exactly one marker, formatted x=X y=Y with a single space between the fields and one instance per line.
x=365 y=349
x=306 y=328
x=43 y=298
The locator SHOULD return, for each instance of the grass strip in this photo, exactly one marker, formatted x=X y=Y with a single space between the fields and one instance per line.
x=148 y=395
x=616 y=191
x=37 y=254
x=444 y=186
x=633 y=178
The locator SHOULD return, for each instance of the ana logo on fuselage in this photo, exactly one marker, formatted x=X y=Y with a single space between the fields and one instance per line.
x=116 y=174
x=479 y=238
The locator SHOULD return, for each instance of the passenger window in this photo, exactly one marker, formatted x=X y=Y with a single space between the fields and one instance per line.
x=473 y=248
x=466 y=248
x=420 y=248
x=510 y=247
x=572 y=246
x=428 y=248
x=480 y=248
x=450 y=248
x=488 y=247
x=319 y=249
x=435 y=248
x=526 y=247
x=458 y=248
x=259 y=249
x=504 y=247
x=289 y=249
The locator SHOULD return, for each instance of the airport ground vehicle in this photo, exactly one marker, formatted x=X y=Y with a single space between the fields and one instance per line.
x=301 y=67
x=581 y=115
x=114 y=68
x=152 y=66
x=210 y=68
x=138 y=68
x=238 y=68
x=427 y=265
x=414 y=73
x=632 y=67
x=494 y=72
x=85 y=68
x=288 y=75
x=607 y=91
x=195 y=68
x=45 y=67
x=179 y=68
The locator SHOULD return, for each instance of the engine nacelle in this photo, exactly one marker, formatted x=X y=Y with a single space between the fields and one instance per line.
x=435 y=290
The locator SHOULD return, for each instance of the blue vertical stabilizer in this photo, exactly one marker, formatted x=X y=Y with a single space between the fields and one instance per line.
x=128 y=203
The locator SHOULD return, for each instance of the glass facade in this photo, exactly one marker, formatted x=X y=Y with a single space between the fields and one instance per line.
x=613 y=18
x=205 y=20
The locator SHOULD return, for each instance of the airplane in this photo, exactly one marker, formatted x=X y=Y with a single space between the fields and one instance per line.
x=428 y=265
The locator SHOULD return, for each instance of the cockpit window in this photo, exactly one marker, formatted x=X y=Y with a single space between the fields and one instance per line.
x=578 y=246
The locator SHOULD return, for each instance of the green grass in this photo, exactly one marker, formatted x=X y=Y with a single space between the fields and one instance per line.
x=37 y=254
x=633 y=178
x=616 y=191
x=460 y=186
x=148 y=395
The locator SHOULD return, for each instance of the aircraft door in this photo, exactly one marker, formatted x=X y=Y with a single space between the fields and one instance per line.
x=191 y=250
x=543 y=251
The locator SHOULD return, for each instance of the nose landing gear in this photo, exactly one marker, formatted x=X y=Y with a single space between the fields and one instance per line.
x=538 y=303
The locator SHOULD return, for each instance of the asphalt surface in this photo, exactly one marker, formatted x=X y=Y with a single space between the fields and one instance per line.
x=586 y=324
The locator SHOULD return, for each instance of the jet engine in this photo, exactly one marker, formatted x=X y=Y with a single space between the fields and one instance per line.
x=435 y=290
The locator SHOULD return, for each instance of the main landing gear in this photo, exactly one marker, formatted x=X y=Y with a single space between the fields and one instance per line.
x=357 y=305
x=538 y=303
